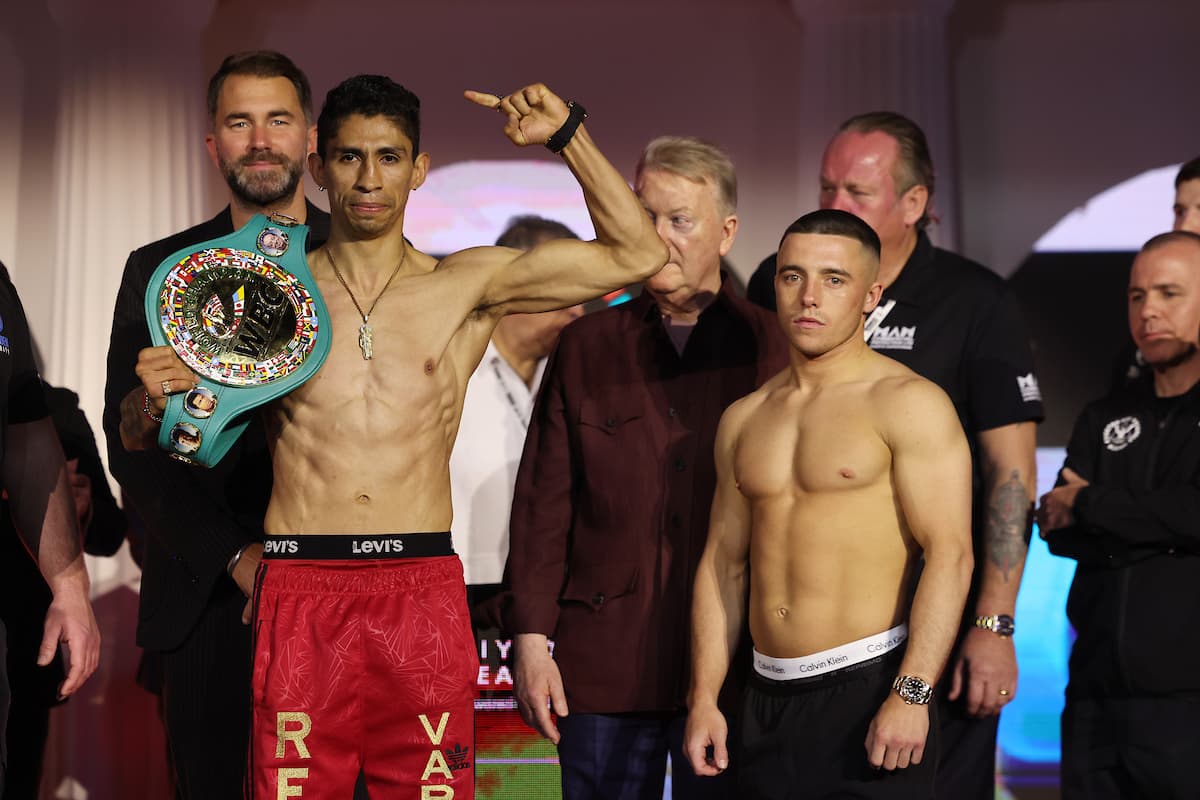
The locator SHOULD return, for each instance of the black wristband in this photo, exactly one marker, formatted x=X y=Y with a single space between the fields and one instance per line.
x=576 y=114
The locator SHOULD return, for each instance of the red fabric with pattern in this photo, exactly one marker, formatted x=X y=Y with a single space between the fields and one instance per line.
x=363 y=665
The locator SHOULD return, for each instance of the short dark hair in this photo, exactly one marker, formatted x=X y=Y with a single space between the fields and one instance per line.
x=915 y=164
x=1170 y=237
x=832 y=222
x=259 y=64
x=525 y=231
x=370 y=96
x=1188 y=172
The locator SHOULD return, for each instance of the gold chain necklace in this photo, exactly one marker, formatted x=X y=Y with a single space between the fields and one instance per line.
x=365 y=332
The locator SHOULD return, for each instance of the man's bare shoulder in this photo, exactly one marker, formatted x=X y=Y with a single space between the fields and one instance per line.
x=453 y=286
x=907 y=402
x=468 y=273
x=780 y=381
x=744 y=408
x=422 y=261
x=472 y=259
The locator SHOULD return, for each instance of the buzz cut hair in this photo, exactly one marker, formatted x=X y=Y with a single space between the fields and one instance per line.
x=1170 y=237
x=833 y=222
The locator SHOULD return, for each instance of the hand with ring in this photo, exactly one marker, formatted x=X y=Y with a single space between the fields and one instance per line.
x=160 y=373
x=163 y=373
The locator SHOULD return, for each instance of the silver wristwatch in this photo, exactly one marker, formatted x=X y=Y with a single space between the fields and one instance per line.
x=912 y=690
x=999 y=624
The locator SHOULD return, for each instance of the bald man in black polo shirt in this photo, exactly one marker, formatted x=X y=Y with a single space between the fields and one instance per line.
x=953 y=322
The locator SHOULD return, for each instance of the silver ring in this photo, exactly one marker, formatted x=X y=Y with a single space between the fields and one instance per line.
x=166 y=388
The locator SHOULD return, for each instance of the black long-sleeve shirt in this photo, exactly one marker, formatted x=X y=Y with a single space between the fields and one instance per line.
x=1137 y=540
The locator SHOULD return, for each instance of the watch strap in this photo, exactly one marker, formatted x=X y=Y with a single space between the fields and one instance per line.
x=1000 y=624
x=913 y=690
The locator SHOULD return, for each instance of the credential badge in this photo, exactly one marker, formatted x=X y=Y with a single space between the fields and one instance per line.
x=1120 y=433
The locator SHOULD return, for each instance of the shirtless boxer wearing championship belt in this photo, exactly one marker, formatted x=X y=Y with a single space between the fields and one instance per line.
x=364 y=656
x=240 y=311
x=833 y=480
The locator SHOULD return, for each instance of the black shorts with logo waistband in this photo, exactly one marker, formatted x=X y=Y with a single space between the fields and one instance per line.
x=805 y=738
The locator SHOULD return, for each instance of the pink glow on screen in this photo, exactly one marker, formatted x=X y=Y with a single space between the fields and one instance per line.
x=470 y=203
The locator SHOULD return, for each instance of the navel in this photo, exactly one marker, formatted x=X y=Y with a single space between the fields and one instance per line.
x=846 y=473
x=363 y=499
x=429 y=366
x=782 y=612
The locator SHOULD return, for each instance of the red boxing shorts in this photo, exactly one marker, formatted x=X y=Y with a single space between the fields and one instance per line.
x=364 y=659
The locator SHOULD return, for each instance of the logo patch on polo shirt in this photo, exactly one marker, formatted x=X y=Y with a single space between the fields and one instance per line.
x=896 y=337
x=3 y=339
x=1120 y=433
x=1028 y=386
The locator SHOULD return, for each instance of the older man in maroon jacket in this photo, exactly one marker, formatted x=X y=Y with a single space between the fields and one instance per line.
x=611 y=508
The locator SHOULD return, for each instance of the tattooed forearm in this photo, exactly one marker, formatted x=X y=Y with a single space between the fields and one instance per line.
x=1007 y=529
x=138 y=432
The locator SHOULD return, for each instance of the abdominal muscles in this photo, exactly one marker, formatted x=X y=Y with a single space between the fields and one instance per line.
x=826 y=569
x=373 y=460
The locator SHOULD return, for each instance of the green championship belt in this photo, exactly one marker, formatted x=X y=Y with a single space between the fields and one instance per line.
x=243 y=312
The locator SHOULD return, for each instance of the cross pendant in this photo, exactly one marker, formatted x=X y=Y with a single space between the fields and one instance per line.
x=364 y=340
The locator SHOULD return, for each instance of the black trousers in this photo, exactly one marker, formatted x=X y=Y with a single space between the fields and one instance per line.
x=206 y=700
x=1131 y=748
x=966 y=750
x=805 y=738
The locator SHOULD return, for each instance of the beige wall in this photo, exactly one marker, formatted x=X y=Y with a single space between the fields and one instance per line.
x=1054 y=100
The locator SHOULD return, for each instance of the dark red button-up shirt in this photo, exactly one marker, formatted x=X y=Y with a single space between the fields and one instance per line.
x=612 y=500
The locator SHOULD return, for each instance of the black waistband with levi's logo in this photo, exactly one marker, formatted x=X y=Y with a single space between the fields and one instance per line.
x=342 y=547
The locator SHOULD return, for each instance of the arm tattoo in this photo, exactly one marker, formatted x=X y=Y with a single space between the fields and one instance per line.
x=136 y=429
x=1007 y=529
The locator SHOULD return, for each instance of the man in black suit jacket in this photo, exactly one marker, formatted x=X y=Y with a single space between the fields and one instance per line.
x=197 y=574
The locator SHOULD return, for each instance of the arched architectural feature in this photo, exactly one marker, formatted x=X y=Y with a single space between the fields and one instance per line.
x=1120 y=218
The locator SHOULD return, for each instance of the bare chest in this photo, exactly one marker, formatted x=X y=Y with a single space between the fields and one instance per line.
x=824 y=446
x=388 y=369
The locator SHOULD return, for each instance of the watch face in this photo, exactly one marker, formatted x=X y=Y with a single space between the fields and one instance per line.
x=236 y=317
x=913 y=690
